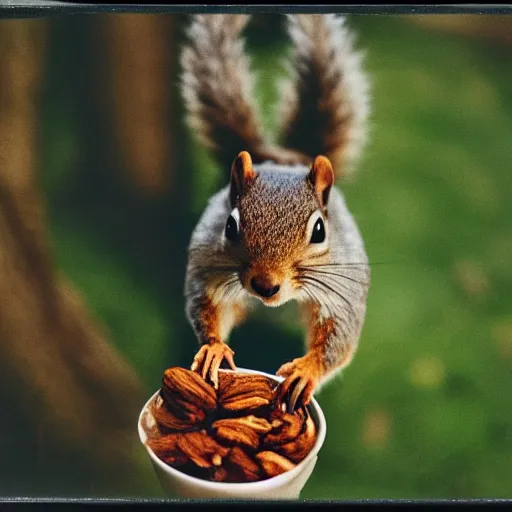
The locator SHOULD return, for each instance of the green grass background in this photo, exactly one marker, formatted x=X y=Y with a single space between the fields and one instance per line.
x=424 y=411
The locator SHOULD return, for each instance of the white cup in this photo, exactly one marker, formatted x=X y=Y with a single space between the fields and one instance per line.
x=287 y=485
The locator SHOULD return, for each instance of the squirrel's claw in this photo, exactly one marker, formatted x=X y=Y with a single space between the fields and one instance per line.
x=209 y=358
x=199 y=358
x=301 y=388
x=299 y=384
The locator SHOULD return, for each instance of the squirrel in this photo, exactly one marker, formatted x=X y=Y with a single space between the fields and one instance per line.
x=279 y=230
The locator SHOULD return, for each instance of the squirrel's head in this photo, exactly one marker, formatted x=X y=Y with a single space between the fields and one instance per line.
x=278 y=221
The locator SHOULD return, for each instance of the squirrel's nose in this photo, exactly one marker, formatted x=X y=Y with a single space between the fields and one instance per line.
x=263 y=288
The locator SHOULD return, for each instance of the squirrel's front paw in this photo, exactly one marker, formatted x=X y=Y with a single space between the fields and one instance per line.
x=209 y=358
x=302 y=376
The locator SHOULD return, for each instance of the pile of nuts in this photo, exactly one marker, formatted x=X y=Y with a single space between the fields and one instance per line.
x=238 y=433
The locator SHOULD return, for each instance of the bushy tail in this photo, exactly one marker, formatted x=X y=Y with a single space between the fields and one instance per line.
x=218 y=89
x=325 y=103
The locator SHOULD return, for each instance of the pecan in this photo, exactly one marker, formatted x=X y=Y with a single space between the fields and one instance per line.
x=231 y=384
x=201 y=449
x=167 y=419
x=244 y=391
x=240 y=467
x=297 y=449
x=273 y=464
x=236 y=432
x=163 y=444
x=260 y=425
x=249 y=403
x=290 y=427
x=166 y=449
x=226 y=379
x=188 y=388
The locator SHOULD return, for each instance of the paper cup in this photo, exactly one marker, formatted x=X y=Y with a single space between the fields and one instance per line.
x=287 y=485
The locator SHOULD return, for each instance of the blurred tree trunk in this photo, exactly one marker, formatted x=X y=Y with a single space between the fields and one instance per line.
x=57 y=369
x=140 y=70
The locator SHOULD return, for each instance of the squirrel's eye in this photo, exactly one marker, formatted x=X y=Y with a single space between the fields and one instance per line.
x=231 y=228
x=318 y=235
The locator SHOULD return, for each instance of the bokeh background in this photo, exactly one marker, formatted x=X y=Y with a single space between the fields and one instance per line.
x=101 y=185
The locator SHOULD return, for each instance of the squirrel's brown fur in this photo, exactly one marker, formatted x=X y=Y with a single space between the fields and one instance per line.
x=279 y=230
x=218 y=89
x=328 y=91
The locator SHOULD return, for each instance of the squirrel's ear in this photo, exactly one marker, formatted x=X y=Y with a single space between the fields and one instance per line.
x=321 y=177
x=242 y=173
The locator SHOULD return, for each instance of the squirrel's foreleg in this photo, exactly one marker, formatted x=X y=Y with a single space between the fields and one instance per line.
x=330 y=348
x=212 y=324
